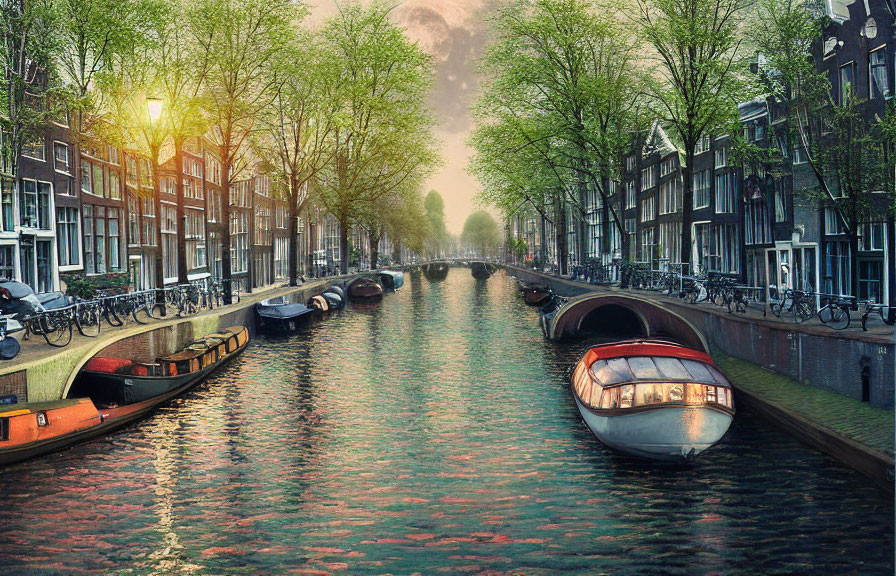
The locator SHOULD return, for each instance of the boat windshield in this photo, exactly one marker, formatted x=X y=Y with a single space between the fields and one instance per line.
x=635 y=368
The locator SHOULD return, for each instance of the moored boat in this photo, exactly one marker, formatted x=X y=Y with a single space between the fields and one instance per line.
x=110 y=381
x=535 y=295
x=435 y=270
x=652 y=398
x=279 y=314
x=320 y=303
x=123 y=391
x=391 y=279
x=481 y=270
x=364 y=288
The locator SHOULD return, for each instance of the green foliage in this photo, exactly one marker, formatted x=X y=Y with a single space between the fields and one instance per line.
x=481 y=233
x=86 y=287
x=437 y=234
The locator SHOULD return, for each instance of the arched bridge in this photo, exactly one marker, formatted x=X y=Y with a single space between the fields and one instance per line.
x=623 y=316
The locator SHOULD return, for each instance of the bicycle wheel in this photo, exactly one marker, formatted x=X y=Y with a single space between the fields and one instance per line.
x=801 y=311
x=142 y=314
x=111 y=315
x=834 y=316
x=56 y=330
x=89 y=322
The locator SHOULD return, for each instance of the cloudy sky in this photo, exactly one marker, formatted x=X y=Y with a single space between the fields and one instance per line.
x=452 y=32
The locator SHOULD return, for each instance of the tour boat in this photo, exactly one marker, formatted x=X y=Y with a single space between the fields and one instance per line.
x=364 y=288
x=481 y=270
x=130 y=392
x=391 y=280
x=279 y=314
x=652 y=398
x=112 y=381
x=435 y=270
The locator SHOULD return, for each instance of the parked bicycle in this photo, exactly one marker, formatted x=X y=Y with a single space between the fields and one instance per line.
x=835 y=311
x=887 y=314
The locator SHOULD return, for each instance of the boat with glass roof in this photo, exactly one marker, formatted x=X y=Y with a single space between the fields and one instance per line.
x=653 y=398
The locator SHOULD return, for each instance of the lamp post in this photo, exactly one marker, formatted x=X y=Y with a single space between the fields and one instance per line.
x=154 y=111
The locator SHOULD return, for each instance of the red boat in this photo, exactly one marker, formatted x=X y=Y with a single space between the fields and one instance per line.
x=118 y=392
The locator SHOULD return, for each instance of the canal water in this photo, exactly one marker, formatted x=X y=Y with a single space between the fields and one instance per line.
x=430 y=433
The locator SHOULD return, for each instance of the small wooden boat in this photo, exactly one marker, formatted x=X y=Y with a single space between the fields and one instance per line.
x=435 y=270
x=391 y=280
x=320 y=303
x=652 y=398
x=278 y=314
x=118 y=381
x=535 y=295
x=481 y=270
x=31 y=429
x=364 y=288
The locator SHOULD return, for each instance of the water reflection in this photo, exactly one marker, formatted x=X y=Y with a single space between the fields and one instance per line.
x=432 y=432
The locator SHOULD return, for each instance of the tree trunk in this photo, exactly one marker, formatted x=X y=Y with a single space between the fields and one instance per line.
x=343 y=245
x=181 y=213
x=292 y=248
x=854 y=257
x=157 y=207
x=562 y=240
x=687 y=209
x=543 y=247
x=374 y=252
x=226 y=271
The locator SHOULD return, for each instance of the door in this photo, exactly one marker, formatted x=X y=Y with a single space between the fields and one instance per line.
x=44 y=266
x=26 y=258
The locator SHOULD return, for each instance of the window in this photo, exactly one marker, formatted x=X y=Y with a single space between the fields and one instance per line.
x=647 y=245
x=114 y=156
x=114 y=239
x=213 y=170
x=630 y=225
x=648 y=177
x=871 y=237
x=35 y=205
x=648 y=208
x=871 y=274
x=281 y=258
x=67 y=236
x=113 y=183
x=131 y=169
x=86 y=182
x=782 y=201
x=702 y=145
x=667 y=166
x=214 y=205
x=721 y=157
x=878 y=86
x=832 y=224
x=701 y=189
x=847 y=82
x=195 y=239
x=7 y=206
x=99 y=246
x=239 y=237
x=724 y=249
x=799 y=154
x=169 y=240
x=725 y=193
x=757 y=228
x=7 y=263
x=670 y=240
x=630 y=163
x=280 y=217
x=133 y=220
x=61 y=159
x=670 y=197
x=88 y=239
x=837 y=276
x=34 y=149
x=630 y=195
x=98 y=188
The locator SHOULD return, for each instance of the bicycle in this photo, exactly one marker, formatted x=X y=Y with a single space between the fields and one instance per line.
x=835 y=312
x=879 y=309
x=796 y=302
x=54 y=325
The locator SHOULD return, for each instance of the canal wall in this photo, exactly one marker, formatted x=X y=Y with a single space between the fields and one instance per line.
x=49 y=375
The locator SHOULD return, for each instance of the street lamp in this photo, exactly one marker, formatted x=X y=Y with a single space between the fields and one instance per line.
x=154 y=107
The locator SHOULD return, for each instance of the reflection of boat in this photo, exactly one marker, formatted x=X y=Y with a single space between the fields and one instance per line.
x=279 y=314
x=31 y=429
x=548 y=310
x=117 y=381
x=364 y=288
x=653 y=398
x=481 y=270
x=435 y=270
x=391 y=279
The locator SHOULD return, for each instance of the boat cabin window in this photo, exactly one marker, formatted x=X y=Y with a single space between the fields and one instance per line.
x=4 y=429
x=620 y=370
x=647 y=394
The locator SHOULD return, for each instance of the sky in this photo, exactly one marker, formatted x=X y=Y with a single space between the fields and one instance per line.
x=452 y=32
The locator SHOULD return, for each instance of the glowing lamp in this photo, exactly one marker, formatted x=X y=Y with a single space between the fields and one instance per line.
x=154 y=106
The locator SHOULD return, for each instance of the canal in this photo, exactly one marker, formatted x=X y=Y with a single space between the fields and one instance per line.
x=432 y=432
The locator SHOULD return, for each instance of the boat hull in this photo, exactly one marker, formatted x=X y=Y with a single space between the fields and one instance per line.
x=435 y=271
x=535 y=296
x=673 y=433
x=281 y=317
x=392 y=280
x=364 y=289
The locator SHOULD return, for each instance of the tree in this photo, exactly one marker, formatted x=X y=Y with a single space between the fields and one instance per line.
x=437 y=234
x=481 y=233
x=382 y=137
x=27 y=54
x=563 y=77
x=242 y=39
x=297 y=126
x=697 y=44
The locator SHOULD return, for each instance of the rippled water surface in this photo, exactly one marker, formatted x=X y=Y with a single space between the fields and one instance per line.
x=430 y=433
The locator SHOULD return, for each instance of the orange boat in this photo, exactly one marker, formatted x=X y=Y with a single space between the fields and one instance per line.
x=36 y=428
